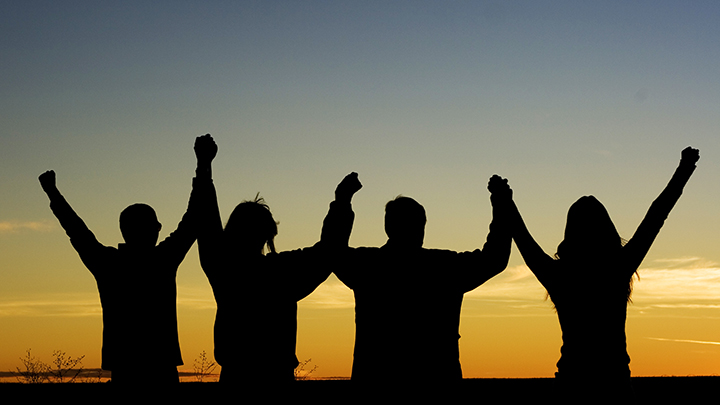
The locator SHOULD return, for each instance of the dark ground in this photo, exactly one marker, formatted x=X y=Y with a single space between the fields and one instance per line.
x=650 y=390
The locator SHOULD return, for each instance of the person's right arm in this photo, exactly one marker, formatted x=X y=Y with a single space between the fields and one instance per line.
x=337 y=227
x=539 y=262
x=208 y=216
x=638 y=246
x=82 y=239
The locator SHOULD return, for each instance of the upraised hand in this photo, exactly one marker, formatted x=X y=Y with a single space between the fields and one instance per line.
x=47 y=181
x=347 y=187
x=499 y=187
x=205 y=149
x=690 y=155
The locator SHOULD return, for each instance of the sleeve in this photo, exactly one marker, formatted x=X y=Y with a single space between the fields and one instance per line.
x=210 y=229
x=479 y=266
x=301 y=270
x=312 y=266
x=81 y=238
x=335 y=238
x=179 y=242
x=539 y=262
x=337 y=226
x=637 y=247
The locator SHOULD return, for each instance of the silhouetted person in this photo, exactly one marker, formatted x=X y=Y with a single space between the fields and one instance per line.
x=137 y=287
x=590 y=281
x=257 y=294
x=408 y=298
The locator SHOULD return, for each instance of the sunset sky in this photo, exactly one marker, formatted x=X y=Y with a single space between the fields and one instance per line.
x=422 y=98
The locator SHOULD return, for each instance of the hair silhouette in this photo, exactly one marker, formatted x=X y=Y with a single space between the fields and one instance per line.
x=590 y=283
x=139 y=225
x=251 y=224
x=589 y=232
x=405 y=221
x=591 y=242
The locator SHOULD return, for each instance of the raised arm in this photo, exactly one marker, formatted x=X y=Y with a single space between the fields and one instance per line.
x=179 y=242
x=539 y=262
x=308 y=268
x=479 y=266
x=337 y=225
x=635 y=250
x=82 y=239
x=337 y=228
x=210 y=224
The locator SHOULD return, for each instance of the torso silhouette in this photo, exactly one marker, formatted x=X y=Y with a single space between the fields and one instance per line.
x=408 y=303
x=256 y=322
x=138 y=292
x=591 y=309
x=591 y=297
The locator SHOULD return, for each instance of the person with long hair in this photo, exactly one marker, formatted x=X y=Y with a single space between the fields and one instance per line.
x=256 y=291
x=590 y=282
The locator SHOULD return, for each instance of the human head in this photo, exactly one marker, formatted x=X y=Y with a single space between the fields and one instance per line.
x=139 y=225
x=251 y=226
x=589 y=232
x=405 y=221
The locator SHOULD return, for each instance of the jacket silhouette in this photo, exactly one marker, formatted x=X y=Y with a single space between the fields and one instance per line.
x=137 y=285
x=408 y=298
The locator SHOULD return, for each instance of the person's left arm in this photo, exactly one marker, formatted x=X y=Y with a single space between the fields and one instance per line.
x=326 y=255
x=482 y=265
x=637 y=247
x=179 y=242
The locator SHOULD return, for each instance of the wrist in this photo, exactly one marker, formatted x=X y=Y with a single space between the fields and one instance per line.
x=500 y=197
x=344 y=198
x=51 y=191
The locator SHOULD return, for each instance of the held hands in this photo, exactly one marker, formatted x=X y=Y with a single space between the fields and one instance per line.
x=347 y=187
x=690 y=156
x=47 y=181
x=499 y=187
x=205 y=149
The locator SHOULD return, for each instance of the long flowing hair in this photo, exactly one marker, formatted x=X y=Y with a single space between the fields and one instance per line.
x=591 y=240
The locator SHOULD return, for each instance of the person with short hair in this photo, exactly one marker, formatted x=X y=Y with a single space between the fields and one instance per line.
x=137 y=285
x=408 y=298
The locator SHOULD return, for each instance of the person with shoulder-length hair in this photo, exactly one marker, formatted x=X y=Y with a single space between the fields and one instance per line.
x=256 y=293
x=590 y=282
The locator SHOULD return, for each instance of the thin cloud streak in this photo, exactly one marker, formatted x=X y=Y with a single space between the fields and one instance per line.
x=515 y=283
x=695 y=280
x=702 y=342
x=70 y=307
x=693 y=285
x=195 y=298
x=7 y=227
x=80 y=305
x=331 y=294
